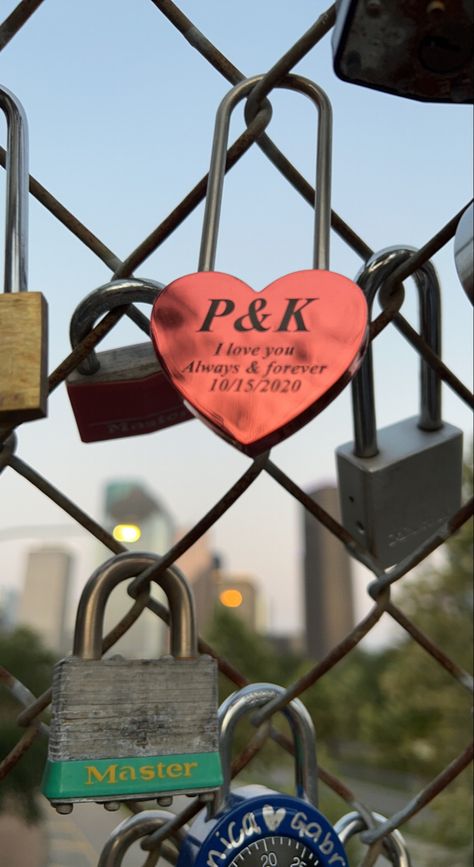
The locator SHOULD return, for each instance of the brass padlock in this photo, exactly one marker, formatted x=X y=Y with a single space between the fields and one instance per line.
x=23 y=314
x=120 y=392
x=132 y=729
x=399 y=484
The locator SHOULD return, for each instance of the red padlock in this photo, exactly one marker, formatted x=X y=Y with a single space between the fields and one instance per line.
x=120 y=392
x=257 y=366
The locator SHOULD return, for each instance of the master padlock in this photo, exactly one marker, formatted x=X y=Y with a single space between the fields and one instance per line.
x=23 y=314
x=132 y=729
x=257 y=366
x=253 y=824
x=394 y=845
x=399 y=484
x=120 y=392
x=418 y=50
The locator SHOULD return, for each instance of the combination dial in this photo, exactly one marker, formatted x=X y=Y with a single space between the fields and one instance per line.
x=276 y=851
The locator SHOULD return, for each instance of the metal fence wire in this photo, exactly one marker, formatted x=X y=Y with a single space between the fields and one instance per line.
x=390 y=316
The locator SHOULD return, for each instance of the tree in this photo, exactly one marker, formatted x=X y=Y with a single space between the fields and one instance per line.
x=423 y=719
x=23 y=655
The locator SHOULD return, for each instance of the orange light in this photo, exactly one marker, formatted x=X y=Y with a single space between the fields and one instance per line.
x=231 y=598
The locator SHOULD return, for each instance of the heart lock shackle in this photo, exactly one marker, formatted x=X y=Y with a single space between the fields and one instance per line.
x=131 y=729
x=395 y=848
x=399 y=484
x=120 y=392
x=254 y=825
x=257 y=366
x=136 y=827
x=23 y=314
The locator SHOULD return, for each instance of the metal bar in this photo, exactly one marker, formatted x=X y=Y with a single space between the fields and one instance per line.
x=15 y=21
x=234 y=75
x=422 y=798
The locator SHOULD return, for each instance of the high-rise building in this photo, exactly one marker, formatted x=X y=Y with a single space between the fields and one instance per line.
x=239 y=594
x=136 y=517
x=45 y=597
x=198 y=564
x=328 y=596
x=9 y=599
x=212 y=586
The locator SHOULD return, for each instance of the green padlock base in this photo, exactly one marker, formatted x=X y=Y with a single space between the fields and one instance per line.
x=131 y=777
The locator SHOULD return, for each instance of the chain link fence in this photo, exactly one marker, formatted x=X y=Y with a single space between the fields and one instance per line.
x=391 y=316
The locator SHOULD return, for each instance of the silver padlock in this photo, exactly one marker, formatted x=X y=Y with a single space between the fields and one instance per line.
x=395 y=847
x=399 y=484
x=132 y=729
x=136 y=827
x=251 y=822
x=120 y=392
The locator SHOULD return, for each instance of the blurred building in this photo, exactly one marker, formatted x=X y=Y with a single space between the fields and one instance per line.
x=238 y=593
x=328 y=596
x=9 y=600
x=212 y=586
x=198 y=565
x=138 y=519
x=44 y=601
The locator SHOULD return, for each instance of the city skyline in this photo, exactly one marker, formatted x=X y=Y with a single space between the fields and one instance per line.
x=401 y=170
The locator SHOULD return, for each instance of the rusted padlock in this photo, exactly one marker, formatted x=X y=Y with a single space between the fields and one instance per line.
x=416 y=50
x=132 y=729
x=120 y=392
x=23 y=314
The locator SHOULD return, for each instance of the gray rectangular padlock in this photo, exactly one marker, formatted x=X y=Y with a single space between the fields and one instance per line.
x=399 y=484
x=132 y=729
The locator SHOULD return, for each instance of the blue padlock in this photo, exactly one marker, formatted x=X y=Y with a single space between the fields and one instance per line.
x=254 y=825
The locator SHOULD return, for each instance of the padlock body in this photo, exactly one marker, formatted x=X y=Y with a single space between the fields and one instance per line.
x=397 y=46
x=129 y=395
x=258 y=820
x=132 y=729
x=396 y=500
x=23 y=357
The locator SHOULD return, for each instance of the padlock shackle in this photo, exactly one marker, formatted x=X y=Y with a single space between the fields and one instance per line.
x=90 y=612
x=370 y=279
x=136 y=827
x=103 y=300
x=17 y=183
x=394 y=844
x=256 y=695
x=215 y=183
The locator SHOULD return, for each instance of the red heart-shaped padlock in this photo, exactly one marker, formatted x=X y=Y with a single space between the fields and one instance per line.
x=256 y=366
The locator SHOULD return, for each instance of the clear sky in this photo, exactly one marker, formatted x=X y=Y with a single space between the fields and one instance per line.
x=121 y=112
